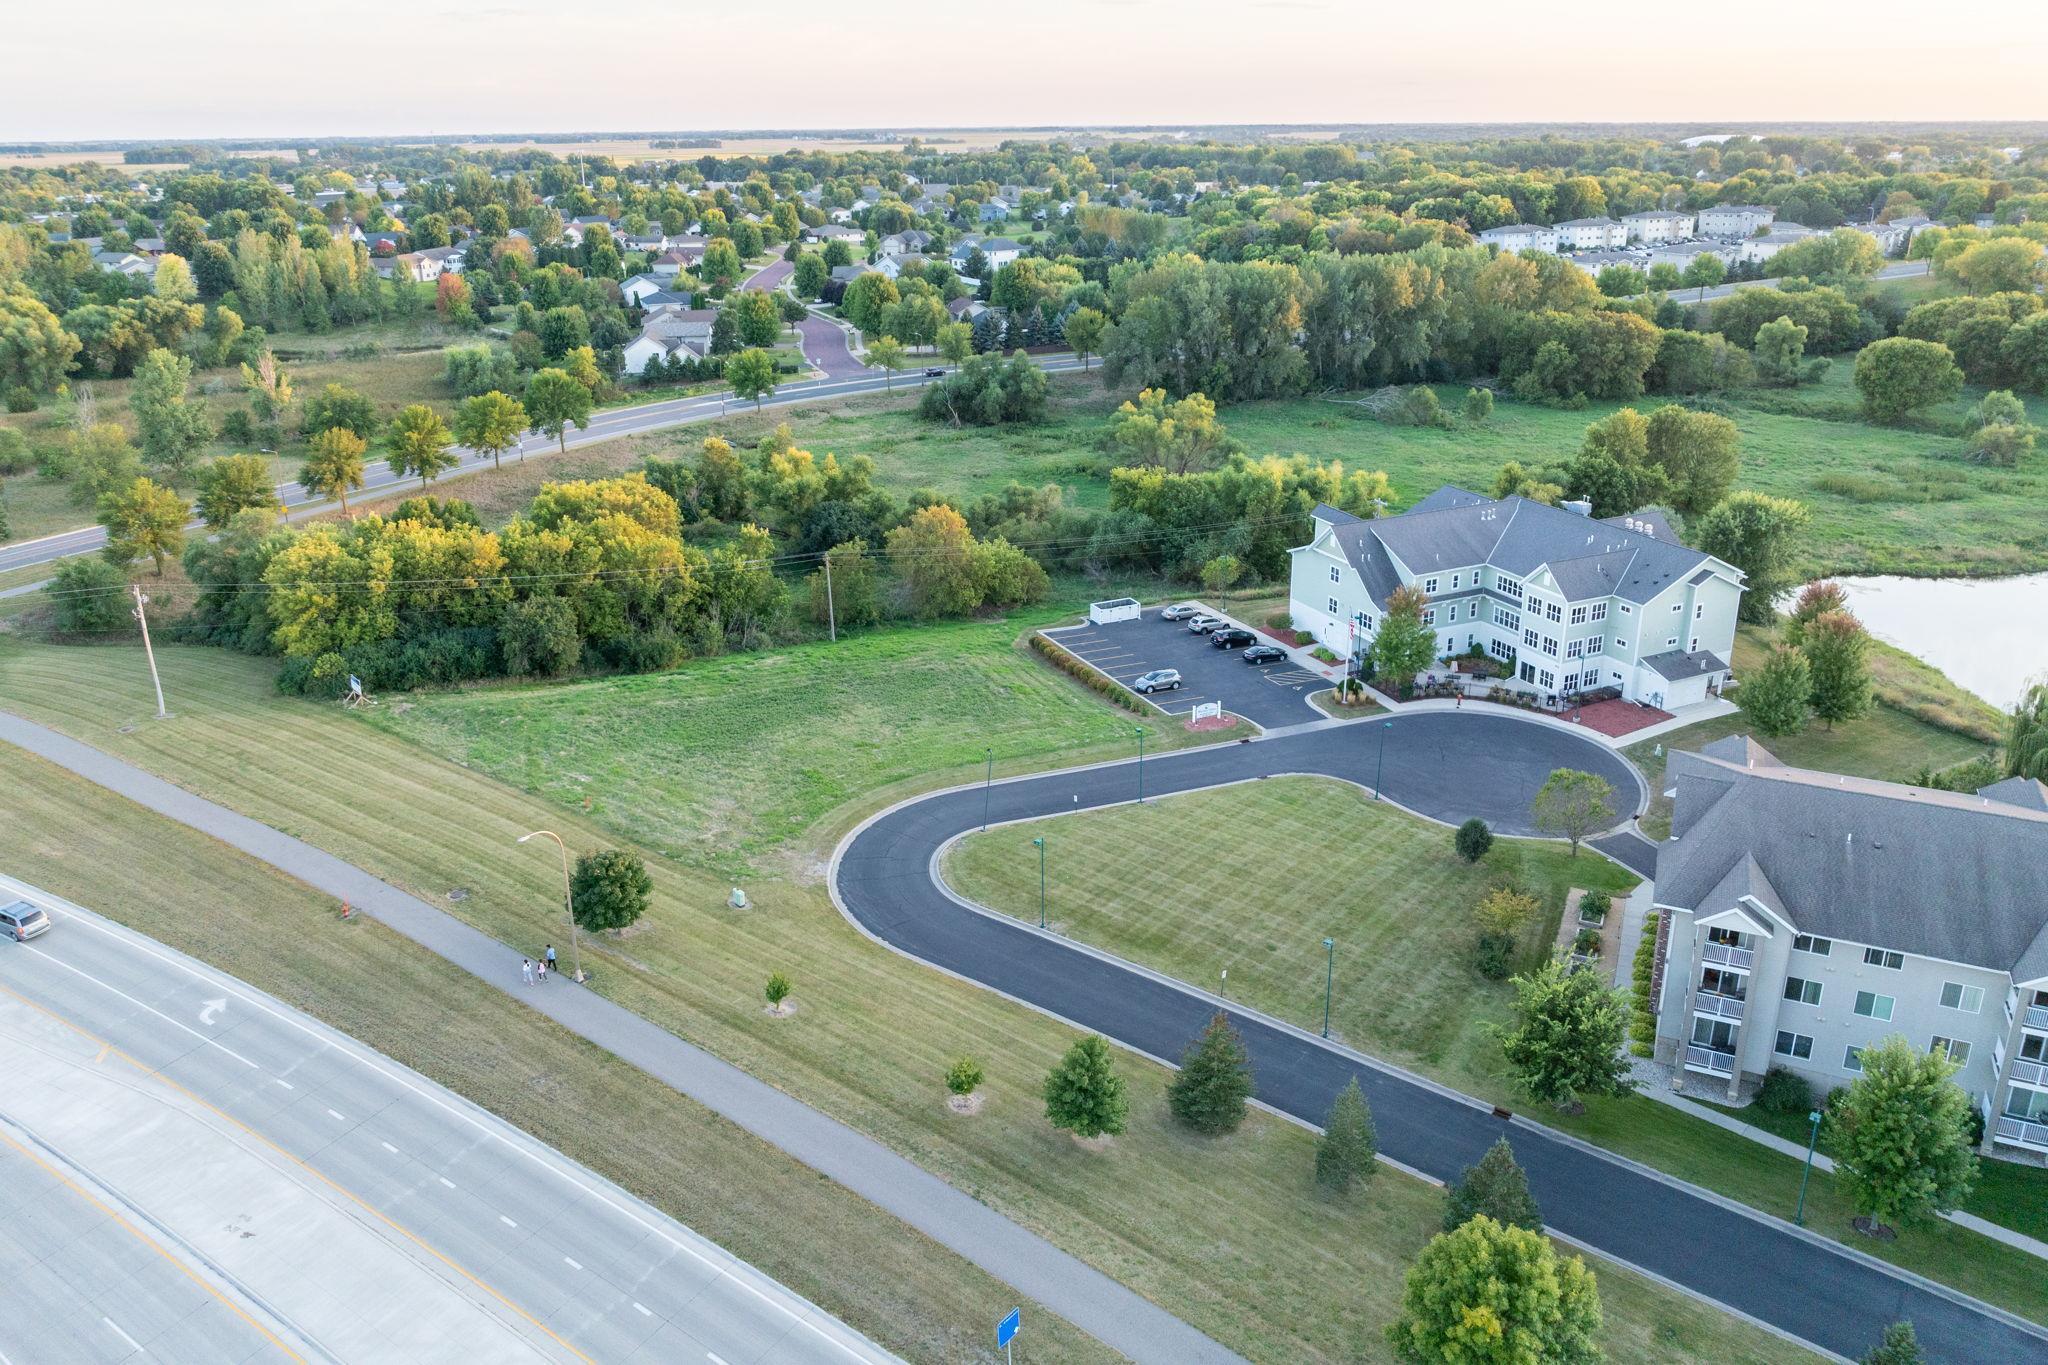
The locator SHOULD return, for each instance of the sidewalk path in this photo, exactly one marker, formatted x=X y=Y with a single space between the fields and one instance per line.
x=1033 y=1266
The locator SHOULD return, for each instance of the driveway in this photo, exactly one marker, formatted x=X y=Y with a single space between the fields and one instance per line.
x=1270 y=695
x=1448 y=766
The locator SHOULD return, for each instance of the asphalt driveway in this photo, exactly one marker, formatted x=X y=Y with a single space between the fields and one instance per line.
x=1271 y=695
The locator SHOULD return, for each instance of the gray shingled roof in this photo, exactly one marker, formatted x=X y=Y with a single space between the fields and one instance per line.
x=2018 y=791
x=1940 y=874
x=1676 y=664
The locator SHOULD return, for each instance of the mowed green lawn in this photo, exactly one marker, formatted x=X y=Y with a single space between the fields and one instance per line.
x=1228 y=1235
x=78 y=841
x=1252 y=878
x=725 y=760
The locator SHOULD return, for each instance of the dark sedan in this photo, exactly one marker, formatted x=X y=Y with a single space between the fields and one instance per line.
x=1231 y=637
x=1264 y=654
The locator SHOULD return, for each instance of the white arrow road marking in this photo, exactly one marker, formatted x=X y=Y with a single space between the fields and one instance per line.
x=212 y=1011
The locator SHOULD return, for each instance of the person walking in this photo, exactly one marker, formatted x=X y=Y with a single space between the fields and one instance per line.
x=551 y=959
x=526 y=969
x=540 y=970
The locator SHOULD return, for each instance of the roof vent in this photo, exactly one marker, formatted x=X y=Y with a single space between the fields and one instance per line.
x=1578 y=506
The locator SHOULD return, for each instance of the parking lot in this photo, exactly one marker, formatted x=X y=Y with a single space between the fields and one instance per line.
x=1268 y=694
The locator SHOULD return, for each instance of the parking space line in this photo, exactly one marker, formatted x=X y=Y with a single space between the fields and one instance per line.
x=572 y=1263
x=335 y=1114
x=644 y=1309
x=133 y=1344
x=446 y=1181
x=507 y=1221
x=389 y=1148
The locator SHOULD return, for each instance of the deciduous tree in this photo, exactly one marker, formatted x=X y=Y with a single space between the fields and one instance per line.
x=418 y=443
x=610 y=889
x=1698 y=452
x=886 y=353
x=555 y=401
x=1775 y=695
x=143 y=518
x=1085 y=328
x=1759 y=535
x=1838 y=657
x=491 y=423
x=1178 y=436
x=172 y=427
x=751 y=374
x=1566 y=1042
x=233 y=483
x=1898 y=374
x=1573 y=804
x=1901 y=1136
x=1485 y=1294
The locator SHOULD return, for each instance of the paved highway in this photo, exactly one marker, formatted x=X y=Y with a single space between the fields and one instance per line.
x=191 y=1170
x=1447 y=766
x=845 y=378
x=1897 y=270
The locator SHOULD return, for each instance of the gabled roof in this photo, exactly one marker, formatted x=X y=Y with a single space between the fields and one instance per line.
x=1677 y=665
x=2024 y=792
x=1949 y=875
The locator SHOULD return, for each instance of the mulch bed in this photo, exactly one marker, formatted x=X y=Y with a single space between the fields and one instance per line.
x=1615 y=718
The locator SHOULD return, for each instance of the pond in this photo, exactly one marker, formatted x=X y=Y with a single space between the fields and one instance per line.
x=1989 y=635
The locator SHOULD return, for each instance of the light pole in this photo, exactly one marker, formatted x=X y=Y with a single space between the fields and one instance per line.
x=1380 y=771
x=988 y=781
x=1329 y=979
x=568 y=902
x=1039 y=844
x=1813 y=1138
x=1141 y=763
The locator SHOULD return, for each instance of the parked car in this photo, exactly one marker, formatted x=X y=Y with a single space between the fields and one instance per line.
x=1264 y=654
x=935 y=372
x=22 y=921
x=1180 y=611
x=1231 y=637
x=1158 y=680
x=1202 y=625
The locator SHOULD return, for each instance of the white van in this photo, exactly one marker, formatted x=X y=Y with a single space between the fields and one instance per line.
x=22 y=921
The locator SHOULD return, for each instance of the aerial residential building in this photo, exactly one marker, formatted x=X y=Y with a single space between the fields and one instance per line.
x=668 y=331
x=1570 y=603
x=1591 y=234
x=998 y=251
x=1682 y=254
x=1736 y=220
x=1517 y=237
x=639 y=287
x=1659 y=225
x=1761 y=248
x=1806 y=916
x=1593 y=262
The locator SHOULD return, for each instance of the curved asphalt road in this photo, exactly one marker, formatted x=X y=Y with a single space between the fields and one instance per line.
x=1449 y=767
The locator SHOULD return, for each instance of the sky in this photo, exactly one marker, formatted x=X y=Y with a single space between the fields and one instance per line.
x=316 y=68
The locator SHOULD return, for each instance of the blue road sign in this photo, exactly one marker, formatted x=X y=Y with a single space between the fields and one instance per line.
x=1007 y=1328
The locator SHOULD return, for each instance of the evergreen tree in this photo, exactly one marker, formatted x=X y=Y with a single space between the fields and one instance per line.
x=1345 y=1152
x=1838 y=659
x=1495 y=1187
x=1473 y=840
x=1899 y=1347
x=1214 y=1081
x=1083 y=1094
x=1775 y=696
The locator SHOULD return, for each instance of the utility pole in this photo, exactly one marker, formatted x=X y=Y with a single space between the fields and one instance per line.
x=831 y=611
x=143 y=619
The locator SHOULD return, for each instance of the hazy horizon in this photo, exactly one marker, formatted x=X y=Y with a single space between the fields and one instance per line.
x=230 y=69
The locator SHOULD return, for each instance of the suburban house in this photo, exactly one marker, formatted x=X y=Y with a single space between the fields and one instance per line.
x=893 y=265
x=1518 y=237
x=995 y=210
x=638 y=287
x=123 y=263
x=1891 y=238
x=833 y=232
x=437 y=261
x=904 y=243
x=1571 y=604
x=1659 y=225
x=1592 y=234
x=1735 y=220
x=847 y=274
x=1805 y=916
x=998 y=251
x=669 y=331
x=1761 y=248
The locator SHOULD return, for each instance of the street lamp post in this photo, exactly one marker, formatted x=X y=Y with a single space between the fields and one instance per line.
x=1039 y=844
x=1141 y=763
x=568 y=902
x=1813 y=1138
x=987 y=788
x=1329 y=978
x=1380 y=771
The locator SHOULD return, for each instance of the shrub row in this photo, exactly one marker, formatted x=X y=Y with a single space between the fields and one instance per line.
x=1642 y=1017
x=1085 y=673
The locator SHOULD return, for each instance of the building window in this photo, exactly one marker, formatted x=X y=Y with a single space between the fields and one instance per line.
x=1336 y=575
x=1553 y=611
x=1502 y=616
x=1334 y=609
x=1955 y=996
x=2033 y=1047
x=1955 y=1049
x=1694 y=647
x=1593 y=643
x=1600 y=611
x=1723 y=981
x=1727 y=938
x=1871 y=1005
x=1574 y=649
x=1365 y=620
x=1878 y=957
x=1677 y=606
x=1571 y=682
x=1456 y=579
x=1545 y=679
x=1620 y=643
x=1501 y=649
x=1801 y=990
x=1807 y=943
x=1550 y=646
x=1699 y=611
x=1509 y=587
x=1578 y=616
x=1429 y=586
x=1671 y=642
x=1852 y=1059
x=1429 y=616
x=1794 y=1045
x=1627 y=610
x=1530 y=638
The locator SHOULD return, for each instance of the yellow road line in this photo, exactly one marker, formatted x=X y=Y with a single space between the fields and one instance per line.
x=139 y=1235
x=310 y=1169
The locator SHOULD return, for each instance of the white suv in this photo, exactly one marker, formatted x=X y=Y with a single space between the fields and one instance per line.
x=1158 y=680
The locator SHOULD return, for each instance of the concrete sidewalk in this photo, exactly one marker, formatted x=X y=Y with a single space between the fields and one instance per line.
x=1033 y=1266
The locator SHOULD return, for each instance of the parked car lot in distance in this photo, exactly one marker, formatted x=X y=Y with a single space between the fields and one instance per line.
x=1181 y=644
x=1158 y=680
x=1264 y=654
x=1202 y=625
x=1179 y=611
x=1231 y=637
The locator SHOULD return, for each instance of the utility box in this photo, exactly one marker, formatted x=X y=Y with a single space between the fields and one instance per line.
x=1115 y=609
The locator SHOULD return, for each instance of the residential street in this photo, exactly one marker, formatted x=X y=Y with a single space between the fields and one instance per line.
x=1447 y=766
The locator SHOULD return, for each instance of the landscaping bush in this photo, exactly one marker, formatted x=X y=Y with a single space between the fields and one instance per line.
x=1280 y=620
x=1493 y=956
x=1094 y=681
x=16 y=459
x=1642 y=1016
x=1784 y=1093
x=964 y=1076
x=90 y=597
x=1594 y=905
x=1587 y=942
x=1472 y=840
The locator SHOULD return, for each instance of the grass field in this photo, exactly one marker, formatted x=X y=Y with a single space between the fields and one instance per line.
x=1227 y=1235
x=725 y=761
x=1892 y=742
x=1398 y=902
x=198 y=895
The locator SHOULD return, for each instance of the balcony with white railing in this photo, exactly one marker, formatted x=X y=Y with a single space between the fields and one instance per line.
x=2020 y=1133
x=1718 y=1006
x=1705 y=1059
x=2037 y=1017
x=2033 y=1075
x=1727 y=955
